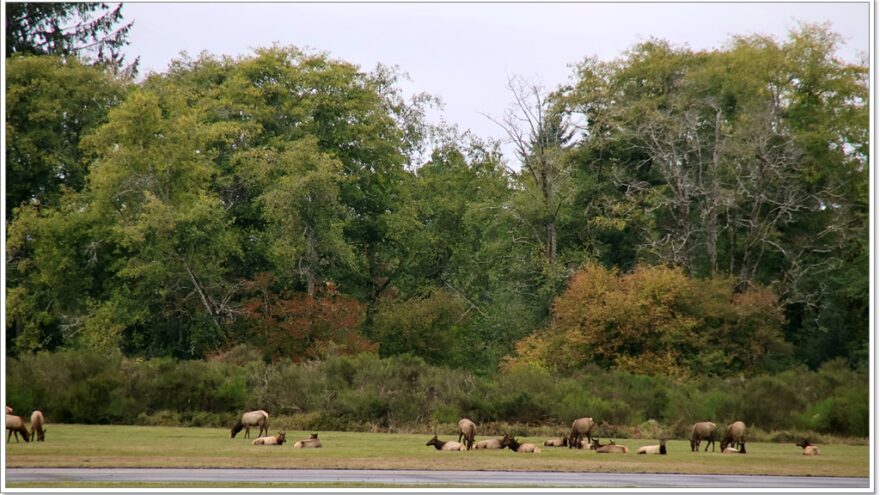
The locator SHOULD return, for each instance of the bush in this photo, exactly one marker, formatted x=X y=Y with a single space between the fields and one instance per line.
x=404 y=393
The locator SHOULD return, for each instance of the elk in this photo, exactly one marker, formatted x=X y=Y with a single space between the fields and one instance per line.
x=809 y=449
x=310 y=443
x=251 y=419
x=515 y=446
x=703 y=431
x=278 y=439
x=467 y=430
x=579 y=428
x=735 y=436
x=449 y=446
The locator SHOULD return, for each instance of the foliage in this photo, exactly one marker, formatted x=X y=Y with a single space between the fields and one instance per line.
x=656 y=320
x=368 y=393
x=51 y=104
x=86 y=30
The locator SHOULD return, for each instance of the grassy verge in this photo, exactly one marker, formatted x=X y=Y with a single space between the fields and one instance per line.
x=141 y=446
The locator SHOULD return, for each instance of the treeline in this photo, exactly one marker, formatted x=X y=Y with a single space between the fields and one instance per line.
x=672 y=212
x=368 y=393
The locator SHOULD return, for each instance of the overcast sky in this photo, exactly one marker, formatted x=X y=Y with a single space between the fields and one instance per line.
x=464 y=53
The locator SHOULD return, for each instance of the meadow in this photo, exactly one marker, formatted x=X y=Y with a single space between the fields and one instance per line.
x=95 y=446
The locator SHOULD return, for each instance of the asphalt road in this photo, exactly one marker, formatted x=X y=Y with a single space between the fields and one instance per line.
x=476 y=478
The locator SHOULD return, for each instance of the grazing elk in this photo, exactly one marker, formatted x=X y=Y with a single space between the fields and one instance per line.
x=809 y=449
x=14 y=426
x=278 y=439
x=449 y=446
x=38 y=426
x=581 y=427
x=703 y=431
x=735 y=436
x=249 y=420
x=467 y=430
x=514 y=445
x=310 y=443
x=653 y=449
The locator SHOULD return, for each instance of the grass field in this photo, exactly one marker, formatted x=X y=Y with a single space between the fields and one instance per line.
x=144 y=446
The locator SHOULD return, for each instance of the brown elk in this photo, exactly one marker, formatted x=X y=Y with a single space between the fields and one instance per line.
x=278 y=439
x=467 y=430
x=735 y=436
x=38 y=426
x=581 y=427
x=514 y=445
x=310 y=443
x=809 y=449
x=14 y=426
x=449 y=446
x=703 y=431
x=251 y=419
x=653 y=449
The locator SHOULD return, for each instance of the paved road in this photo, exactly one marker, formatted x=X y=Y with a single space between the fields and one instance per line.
x=477 y=478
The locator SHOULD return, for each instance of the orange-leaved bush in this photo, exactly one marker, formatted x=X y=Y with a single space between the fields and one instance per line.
x=657 y=320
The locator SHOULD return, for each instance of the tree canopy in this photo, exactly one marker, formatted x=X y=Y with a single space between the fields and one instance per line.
x=673 y=212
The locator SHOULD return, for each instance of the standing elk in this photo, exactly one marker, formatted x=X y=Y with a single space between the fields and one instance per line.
x=579 y=428
x=249 y=420
x=735 y=436
x=703 y=431
x=37 y=426
x=14 y=426
x=467 y=430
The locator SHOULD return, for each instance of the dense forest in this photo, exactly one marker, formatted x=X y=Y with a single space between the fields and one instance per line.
x=671 y=213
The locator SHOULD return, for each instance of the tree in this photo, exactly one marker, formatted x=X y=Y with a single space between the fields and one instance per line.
x=655 y=320
x=85 y=30
x=50 y=105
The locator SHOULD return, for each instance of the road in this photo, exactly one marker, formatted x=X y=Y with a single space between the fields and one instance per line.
x=391 y=477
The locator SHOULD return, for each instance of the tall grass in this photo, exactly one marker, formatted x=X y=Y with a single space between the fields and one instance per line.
x=403 y=393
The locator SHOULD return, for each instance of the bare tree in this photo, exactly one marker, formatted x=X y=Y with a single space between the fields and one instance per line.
x=539 y=131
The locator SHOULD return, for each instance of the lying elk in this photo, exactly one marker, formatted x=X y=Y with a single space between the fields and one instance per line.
x=597 y=444
x=515 y=446
x=581 y=427
x=467 y=430
x=653 y=449
x=556 y=442
x=251 y=419
x=703 y=431
x=37 y=426
x=492 y=443
x=278 y=439
x=449 y=446
x=310 y=443
x=735 y=436
x=809 y=449
x=15 y=425
x=612 y=448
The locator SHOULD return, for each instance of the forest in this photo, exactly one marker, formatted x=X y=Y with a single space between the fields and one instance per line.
x=674 y=214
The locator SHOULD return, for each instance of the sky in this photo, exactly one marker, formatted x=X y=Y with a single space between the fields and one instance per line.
x=465 y=53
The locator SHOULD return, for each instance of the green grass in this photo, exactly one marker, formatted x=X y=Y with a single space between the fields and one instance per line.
x=151 y=446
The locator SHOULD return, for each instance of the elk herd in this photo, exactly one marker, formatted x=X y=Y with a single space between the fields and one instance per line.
x=580 y=436
x=15 y=426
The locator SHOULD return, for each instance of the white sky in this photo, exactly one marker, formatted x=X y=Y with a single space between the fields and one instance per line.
x=465 y=52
